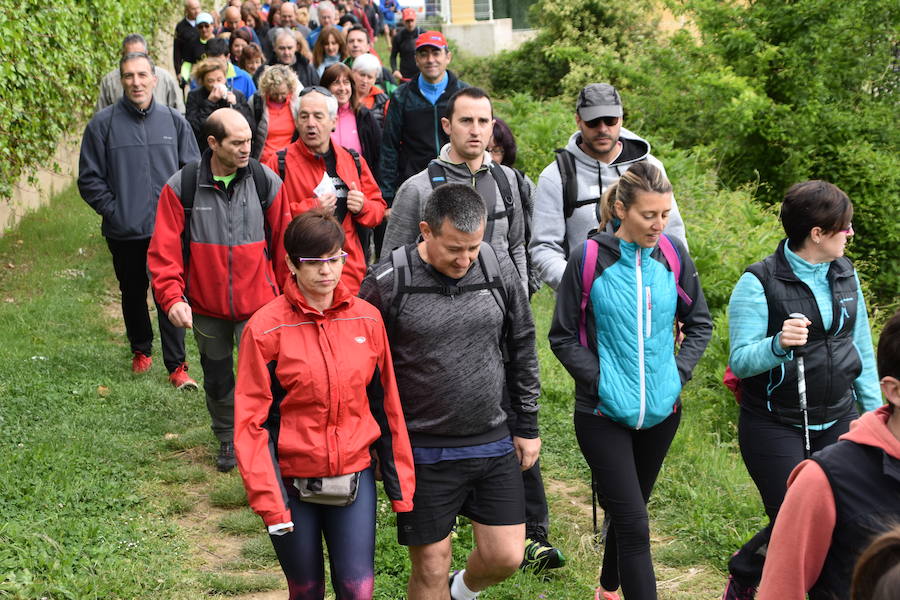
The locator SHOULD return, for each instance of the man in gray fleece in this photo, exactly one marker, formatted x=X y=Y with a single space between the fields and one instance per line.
x=600 y=151
x=469 y=124
x=448 y=338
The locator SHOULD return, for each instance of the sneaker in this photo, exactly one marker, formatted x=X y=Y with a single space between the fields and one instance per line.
x=599 y=594
x=540 y=555
x=734 y=590
x=140 y=362
x=226 y=461
x=180 y=380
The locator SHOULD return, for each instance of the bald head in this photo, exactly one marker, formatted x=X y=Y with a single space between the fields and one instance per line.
x=191 y=9
x=228 y=135
x=232 y=17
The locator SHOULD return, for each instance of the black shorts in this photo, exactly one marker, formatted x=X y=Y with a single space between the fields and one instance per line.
x=487 y=490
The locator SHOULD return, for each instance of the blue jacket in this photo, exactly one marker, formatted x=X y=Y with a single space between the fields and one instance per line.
x=127 y=155
x=629 y=371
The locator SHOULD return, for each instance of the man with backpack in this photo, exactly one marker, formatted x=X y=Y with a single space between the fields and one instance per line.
x=462 y=337
x=469 y=125
x=319 y=173
x=217 y=255
x=129 y=150
x=570 y=187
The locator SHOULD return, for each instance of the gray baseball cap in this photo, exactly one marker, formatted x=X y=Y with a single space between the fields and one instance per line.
x=598 y=100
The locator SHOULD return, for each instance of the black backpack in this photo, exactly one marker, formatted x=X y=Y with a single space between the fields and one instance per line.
x=340 y=211
x=189 y=190
x=403 y=288
x=438 y=176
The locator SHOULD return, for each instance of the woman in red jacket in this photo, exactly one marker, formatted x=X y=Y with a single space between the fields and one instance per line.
x=315 y=397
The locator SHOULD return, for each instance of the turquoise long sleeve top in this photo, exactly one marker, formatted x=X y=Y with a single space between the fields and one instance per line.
x=753 y=351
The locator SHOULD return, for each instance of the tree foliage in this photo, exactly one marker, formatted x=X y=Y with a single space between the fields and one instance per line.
x=52 y=57
x=778 y=91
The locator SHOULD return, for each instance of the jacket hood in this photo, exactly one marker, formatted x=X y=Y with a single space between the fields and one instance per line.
x=634 y=148
x=295 y=297
x=871 y=430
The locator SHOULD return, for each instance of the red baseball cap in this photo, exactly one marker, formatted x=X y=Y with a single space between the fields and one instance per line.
x=409 y=14
x=432 y=38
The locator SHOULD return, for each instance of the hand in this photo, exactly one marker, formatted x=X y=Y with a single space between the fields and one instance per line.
x=217 y=93
x=180 y=315
x=387 y=213
x=355 y=199
x=230 y=98
x=527 y=451
x=398 y=75
x=328 y=201
x=794 y=332
x=376 y=465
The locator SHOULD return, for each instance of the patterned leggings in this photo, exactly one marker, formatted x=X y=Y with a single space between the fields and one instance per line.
x=349 y=532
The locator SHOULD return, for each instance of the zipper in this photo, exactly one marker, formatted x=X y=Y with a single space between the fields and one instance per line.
x=640 y=337
x=649 y=303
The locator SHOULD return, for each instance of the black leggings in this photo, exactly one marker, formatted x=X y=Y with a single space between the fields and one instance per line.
x=625 y=463
x=770 y=451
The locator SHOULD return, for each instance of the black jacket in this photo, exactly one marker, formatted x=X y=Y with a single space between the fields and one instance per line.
x=182 y=45
x=306 y=73
x=404 y=45
x=369 y=132
x=199 y=108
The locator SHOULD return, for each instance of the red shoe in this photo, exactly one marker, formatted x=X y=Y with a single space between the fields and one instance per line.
x=140 y=363
x=180 y=380
x=599 y=594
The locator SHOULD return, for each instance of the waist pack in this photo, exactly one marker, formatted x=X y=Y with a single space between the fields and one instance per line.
x=339 y=490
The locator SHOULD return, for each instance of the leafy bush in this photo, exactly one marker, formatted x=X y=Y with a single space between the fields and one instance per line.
x=52 y=57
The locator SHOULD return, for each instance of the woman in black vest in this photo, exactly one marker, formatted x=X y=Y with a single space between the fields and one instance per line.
x=807 y=274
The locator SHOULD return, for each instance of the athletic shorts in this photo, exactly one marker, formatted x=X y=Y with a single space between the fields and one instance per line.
x=487 y=490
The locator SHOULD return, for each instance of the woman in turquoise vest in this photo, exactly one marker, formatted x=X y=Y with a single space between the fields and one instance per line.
x=613 y=330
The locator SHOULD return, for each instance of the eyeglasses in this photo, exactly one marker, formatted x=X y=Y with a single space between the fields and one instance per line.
x=848 y=231
x=496 y=150
x=321 y=90
x=331 y=261
x=608 y=121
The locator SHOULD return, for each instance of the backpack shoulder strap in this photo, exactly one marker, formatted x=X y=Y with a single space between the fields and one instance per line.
x=670 y=252
x=355 y=156
x=588 y=268
x=490 y=268
x=264 y=194
x=282 y=162
x=505 y=193
x=569 y=180
x=436 y=174
x=402 y=280
x=188 y=191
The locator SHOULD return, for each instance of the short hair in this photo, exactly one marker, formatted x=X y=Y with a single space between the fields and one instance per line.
x=331 y=74
x=642 y=176
x=877 y=572
x=248 y=9
x=131 y=39
x=503 y=137
x=213 y=127
x=367 y=63
x=252 y=51
x=814 y=203
x=358 y=27
x=459 y=203
x=204 y=68
x=135 y=56
x=319 y=49
x=217 y=47
x=889 y=348
x=467 y=92
x=276 y=75
x=327 y=5
x=240 y=33
x=312 y=234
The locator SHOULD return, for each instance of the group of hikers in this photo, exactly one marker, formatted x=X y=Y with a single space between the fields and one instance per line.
x=374 y=271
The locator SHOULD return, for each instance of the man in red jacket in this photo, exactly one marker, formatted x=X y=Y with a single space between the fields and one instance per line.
x=840 y=500
x=232 y=214
x=319 y=173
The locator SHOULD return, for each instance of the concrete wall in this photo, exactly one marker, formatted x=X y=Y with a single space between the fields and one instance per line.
x=27 y=196
x=482 y=38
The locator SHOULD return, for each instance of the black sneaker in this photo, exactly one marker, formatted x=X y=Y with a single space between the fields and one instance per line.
x=735 y=590
x=540 y=555
x=226 y=461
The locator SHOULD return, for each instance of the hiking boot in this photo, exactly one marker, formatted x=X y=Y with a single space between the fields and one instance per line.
x=226 y=461
x=599 y=594
x=734 y=590
x=180 y=380
x=540 y=555
x=140 y=362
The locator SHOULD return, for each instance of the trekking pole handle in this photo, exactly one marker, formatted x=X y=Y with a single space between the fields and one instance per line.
x=801 y=371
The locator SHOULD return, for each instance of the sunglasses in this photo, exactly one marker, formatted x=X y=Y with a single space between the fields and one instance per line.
x=848 y=230
x=321 y=90
x=608 y=121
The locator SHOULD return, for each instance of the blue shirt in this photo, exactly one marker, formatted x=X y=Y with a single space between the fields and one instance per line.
x=430 y=456
x=433 y=91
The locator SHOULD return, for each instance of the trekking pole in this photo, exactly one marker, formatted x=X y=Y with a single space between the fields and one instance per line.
x=801 y=390
x=594 y=504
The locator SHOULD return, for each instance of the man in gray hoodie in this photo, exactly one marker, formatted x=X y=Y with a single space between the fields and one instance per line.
x=595 y=157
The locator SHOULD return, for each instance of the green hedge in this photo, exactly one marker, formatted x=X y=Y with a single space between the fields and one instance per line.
x=52 y=56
